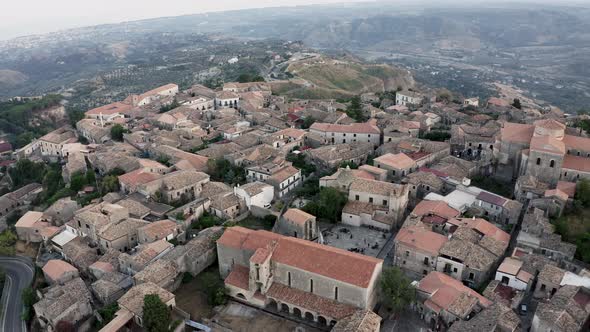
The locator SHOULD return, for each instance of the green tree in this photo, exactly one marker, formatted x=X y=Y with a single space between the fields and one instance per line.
x=109 y=184
x=156 y=315
x=355 y=109
x=77 y=181
x=516 y=103
x=396 y=289
x=583 y=192
x=117 y=132
x=214 y=289
x=29 y=297
x=328 y=205
x=25 y=172
x=307 y=122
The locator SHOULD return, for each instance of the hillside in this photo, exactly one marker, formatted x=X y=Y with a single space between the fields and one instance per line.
x=323 y=77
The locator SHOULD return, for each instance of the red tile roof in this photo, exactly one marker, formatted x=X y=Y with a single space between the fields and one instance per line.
x=110 y=109
x=449 y=289
x=239 y=277
x=482 y=226
x=310 y=301
x=569 y=188
x=576 y=163
x=438 y=208
x=421 y=239
x=358 y=128
x=309 y=256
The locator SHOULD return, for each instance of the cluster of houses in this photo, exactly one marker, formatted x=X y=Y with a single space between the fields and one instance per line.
x=448 y=235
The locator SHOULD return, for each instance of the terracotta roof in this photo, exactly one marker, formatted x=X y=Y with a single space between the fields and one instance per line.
x=110 y=109
x=547 y=144
x=358 y=128
x=360 y=321
x=239 y=277
x=556 y=193
x=439 y=208
x=448 y=290
x=378 y=187
x=549 y=124
x=55 y=268
x=569 y=188
x=421 y=239
x=399 y=161
x=510 y=266
x=297 y=216
x=309 y=256
x=284 y=174
x=517 y=132
x=577 y=142
x=482 y=226
x=29 y=219
x=133 y=299
x=138 y=177
x=160 y=229
x=310 y=301
x=491 y=198
x=576 y=163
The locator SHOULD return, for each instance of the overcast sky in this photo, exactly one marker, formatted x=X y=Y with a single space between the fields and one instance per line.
x=25 y=17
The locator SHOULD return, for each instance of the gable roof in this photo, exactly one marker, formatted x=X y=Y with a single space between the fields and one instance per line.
x=342 y=265
x=421 y=239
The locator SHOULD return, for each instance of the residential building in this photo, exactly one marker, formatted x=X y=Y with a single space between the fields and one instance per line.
x=157 y=230
x=59 y=272
x=256 y=193
x=70 y=302
x=407 y=98
x=297 y=223
x=310 y=280
x=329 y=157
x=132 y=301
x=283 y=177
x=442 y=300
x=397 y=165
x=512 y=274
x=343 y=178
x=33 y=227
x=198 y=253
x=384 y=204
x=176 y=185
x=416 y=250
x=497 y=317
x=120 y=235
x=567 y=311
x=352 y=133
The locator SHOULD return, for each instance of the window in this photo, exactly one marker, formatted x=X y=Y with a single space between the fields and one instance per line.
x=385 y=202
x=538 y=161
x=505 y=280
x=370 y=199
x=289 y=279
x=471 y=276
x=356 y=197
x=311 y=285
x=336 y=293
x=543 y=287
x=353 y=136
x=552 y=163
x=426 y=261
x=455 y=270
x=407 y=253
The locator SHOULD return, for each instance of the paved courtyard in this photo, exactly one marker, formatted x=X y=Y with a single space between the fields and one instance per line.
x=359 y=239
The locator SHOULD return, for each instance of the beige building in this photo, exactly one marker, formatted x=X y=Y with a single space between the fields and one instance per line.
x=33 y=227
x=303 y=278
x=384 y=204
x=416 y=250
x=69 y=302
x=397 y=165
x=351 y=133
x=297 y=223
x=175 y=186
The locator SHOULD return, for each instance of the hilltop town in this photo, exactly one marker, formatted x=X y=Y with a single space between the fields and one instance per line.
x=242 y=209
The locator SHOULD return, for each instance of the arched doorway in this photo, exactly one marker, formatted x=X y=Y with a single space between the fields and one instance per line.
x=332 y=322
x=284 y=307
x=297 y=312
x=273 y=305
x=322 y=321
x=309 y=316
x=241 y=296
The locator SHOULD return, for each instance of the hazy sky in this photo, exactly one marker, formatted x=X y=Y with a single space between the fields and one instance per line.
x=25 y=17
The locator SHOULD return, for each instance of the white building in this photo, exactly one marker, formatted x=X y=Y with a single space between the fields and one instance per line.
x=256 y=193
x=511 y=274
x=406 y=98
x=340 y=134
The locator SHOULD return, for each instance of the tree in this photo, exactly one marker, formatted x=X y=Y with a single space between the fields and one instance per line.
x=29 y=297
x=214 y=289
x=583 y=192
x=328 y=205
x=117 y=132
x=355 y=109
x=516 y=103
x=396 y=289
x=156 y=315
x=109 y=184
x=307 y=122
